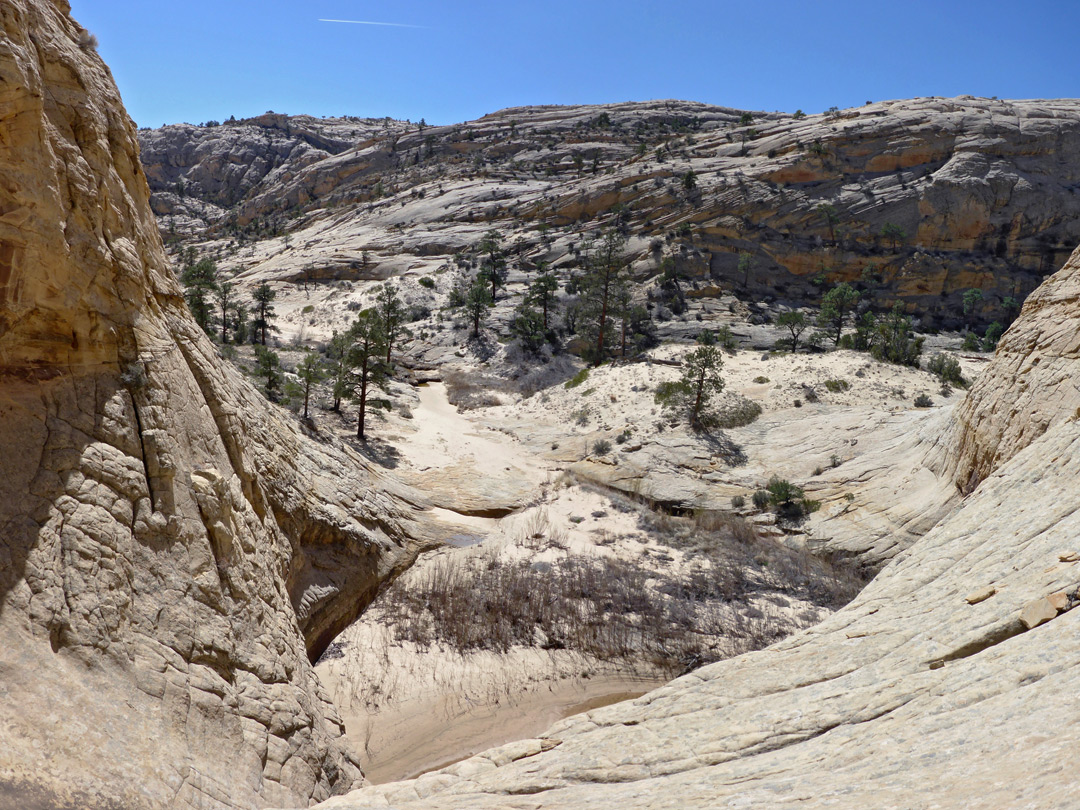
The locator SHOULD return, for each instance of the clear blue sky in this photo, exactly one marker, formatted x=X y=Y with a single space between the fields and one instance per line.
x=203 y=59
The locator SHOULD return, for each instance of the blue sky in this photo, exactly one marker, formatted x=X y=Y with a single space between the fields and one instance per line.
x=198 y=60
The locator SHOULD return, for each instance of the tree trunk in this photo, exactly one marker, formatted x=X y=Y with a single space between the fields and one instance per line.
x=697 y=399
x=363 y=398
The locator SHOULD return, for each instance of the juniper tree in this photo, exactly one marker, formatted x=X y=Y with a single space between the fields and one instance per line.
x=894 y=233
x=895 y=341
x=796 y=323
x=699 y=383
x=528 y=327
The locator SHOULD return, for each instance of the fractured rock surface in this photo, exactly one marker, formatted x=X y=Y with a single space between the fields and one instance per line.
x=962 y=653
x=174 y=551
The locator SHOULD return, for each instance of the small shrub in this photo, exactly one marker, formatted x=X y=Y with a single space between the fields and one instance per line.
x=947 y=369
x=837 y=386
x=727 y=340
x=738 y=502
x=622 y=437
x=426 y=281
x=601 y=447
x=307 y=309
x=923 y=401
x=581 y=417
x=577 y=379
x=761 y=379
x=739 y=414
x=760 y=499
x=971 y=343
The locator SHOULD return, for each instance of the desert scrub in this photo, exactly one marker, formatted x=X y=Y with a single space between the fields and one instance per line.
x=837 y=386
x=947 y=369
x=577 y=379
x=923 y=401
x=426 y=281
x=601 y=447
x=739 y=413
x=608 y=608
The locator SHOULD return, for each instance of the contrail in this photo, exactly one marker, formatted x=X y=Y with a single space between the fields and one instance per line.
x=365 y=22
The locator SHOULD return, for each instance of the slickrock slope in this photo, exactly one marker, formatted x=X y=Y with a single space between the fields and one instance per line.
x=1038 y=364
x=948 y=682
x=173 y=550
x=984 y=194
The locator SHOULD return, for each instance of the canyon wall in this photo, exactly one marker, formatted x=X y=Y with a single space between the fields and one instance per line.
x=175 y=552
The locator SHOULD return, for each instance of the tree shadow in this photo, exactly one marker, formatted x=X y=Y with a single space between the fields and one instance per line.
x=732 y=453
x=378 y=450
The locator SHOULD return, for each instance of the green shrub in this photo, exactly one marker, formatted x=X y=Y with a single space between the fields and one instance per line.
x=578 y=379
x=836 y=386
x=738 y=502
x=760 y=499
x=971 y=343
x=947 y=369
x=307 y=309
x=601 y=447
x=426 y=281
x=782 y=491
x=743 y=412
x=923 y=401
x=761 y=379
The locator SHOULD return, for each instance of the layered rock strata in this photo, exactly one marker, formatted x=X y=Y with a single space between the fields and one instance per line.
x=174 y=551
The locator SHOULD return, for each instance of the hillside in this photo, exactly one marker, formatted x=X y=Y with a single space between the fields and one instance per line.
x=916 y=200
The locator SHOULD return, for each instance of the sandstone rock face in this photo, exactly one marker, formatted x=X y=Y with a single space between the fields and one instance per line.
x=982 y=190
x=946 y=683
x=174 y=550
x=1037 y=362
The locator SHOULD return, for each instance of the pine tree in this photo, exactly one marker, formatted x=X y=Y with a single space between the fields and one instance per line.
x=835 y=306
x=269 y=367
x=699 y=383
x=542 y=292
x=493 y=261
x=310 y=372
x=477 y=303
x=225 y=304
x=264 y=312
x=337 y=367
x=605 y=274
x=392 y=314
x=200 y=281
x=368 y=369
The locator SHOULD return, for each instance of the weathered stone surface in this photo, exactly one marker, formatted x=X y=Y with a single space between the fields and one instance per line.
x=174 y=551
x=1036 y=362
x=982 y=189
x=908 y=697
